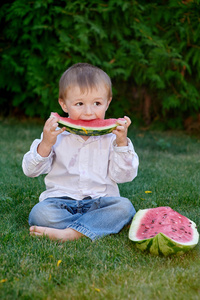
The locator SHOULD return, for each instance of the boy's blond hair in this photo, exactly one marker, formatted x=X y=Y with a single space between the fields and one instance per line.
x=86 y=76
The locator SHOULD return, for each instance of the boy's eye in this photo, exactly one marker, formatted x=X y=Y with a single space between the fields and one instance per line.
x=97 y=103
x=79 y=103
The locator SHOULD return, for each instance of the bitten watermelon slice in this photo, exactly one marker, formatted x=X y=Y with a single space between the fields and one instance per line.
x=87 y=128
x=163 y=231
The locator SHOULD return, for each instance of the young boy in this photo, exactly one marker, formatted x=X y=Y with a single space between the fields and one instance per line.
x=81 y=197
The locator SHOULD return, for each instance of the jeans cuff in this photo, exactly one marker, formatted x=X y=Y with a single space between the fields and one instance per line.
x=83 y=230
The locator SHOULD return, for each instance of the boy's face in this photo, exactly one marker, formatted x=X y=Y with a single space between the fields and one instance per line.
x=90 y=105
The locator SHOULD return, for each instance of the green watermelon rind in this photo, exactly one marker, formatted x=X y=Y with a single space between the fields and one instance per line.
x=86 y=131
x=160 y=244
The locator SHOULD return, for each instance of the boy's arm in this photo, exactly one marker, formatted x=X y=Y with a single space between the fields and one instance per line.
x=33 y=164
x=124 y=162
x=123 y=159
x=39 y=159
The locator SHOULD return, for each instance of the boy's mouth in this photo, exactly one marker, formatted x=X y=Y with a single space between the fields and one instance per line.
x=88 y=119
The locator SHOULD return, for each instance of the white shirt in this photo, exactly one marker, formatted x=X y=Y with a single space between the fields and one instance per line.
x=77 y=168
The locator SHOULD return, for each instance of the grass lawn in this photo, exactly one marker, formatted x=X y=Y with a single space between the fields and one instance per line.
x=110 y=268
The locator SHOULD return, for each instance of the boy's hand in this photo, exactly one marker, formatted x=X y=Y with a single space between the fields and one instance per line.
x=49 y=136
x=121 y=132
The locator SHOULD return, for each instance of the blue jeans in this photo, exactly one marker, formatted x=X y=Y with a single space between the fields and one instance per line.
x=94 y=218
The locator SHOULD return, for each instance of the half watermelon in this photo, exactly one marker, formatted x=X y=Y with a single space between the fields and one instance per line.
x=87 y=128
x=163 y=231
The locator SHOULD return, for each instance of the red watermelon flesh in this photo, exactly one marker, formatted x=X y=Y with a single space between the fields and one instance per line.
x=96 y=123
x=167 y=221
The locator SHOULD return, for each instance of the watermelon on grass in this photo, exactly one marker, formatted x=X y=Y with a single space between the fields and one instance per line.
x=87 y=128
x=163 y=231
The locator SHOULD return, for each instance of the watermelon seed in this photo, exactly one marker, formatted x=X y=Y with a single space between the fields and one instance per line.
x=152 y=221
x=189 y=225
x=189 y=232
x=174 y=230
x=190 y=222
x=185 y=231
x=160 y=223
x=143 y=224
x=156 y=232
x=152 y=235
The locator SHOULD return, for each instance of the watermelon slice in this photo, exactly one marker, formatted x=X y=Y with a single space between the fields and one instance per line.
x=87 y=128
x=163 y=231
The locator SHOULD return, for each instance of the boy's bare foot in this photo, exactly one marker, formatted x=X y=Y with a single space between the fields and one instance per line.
x=62 y=235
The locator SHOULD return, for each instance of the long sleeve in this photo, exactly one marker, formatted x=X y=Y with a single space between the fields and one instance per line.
x=124 y=163
x=33 y=164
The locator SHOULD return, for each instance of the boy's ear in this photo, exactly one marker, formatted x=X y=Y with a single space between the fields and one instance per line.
x=63 y=105
x=108 y=103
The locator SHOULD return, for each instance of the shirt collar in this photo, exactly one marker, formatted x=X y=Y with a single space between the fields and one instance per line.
x=79 y=138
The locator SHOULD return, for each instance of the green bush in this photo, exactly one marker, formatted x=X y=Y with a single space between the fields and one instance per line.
x=150 y=50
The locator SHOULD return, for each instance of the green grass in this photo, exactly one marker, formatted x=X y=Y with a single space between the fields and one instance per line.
x=110 y=268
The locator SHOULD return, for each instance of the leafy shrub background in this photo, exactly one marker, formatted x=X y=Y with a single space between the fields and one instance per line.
x=150 y=49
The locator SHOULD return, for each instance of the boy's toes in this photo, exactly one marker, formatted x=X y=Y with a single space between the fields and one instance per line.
x=32 y=229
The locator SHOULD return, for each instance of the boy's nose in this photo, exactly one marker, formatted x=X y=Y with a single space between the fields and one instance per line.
x=88 y=110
